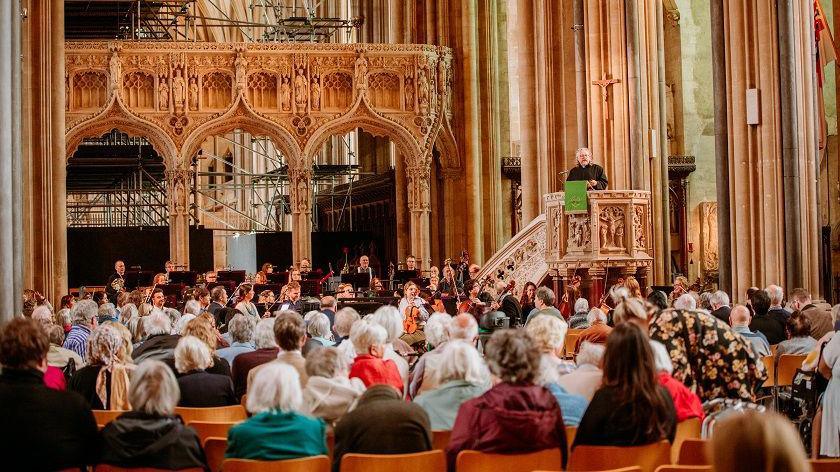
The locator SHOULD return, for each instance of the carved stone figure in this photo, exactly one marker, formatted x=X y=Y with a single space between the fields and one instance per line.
x=179 y=92
x=300 y=91
x=285 y=94
x=115 y=72
x=423 y=92
x=163 y=95
x=241 y=66
x=315 y=91
x=360 y=78
x=193 y=94
x=555 y=221
x=611 y=228
x=579 y=233
x=409 y=93
x=639 y=227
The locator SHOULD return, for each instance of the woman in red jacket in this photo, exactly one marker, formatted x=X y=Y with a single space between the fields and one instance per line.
x=515 y=416
x=369 y=342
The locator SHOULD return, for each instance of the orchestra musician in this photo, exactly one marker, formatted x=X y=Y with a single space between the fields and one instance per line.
x=528 y=296
x=450 y=285
x=474 y=270
x=507 y=304
x=116 y=282
x=364 y=267
x=266 y=303
x=260 y=278
x=218 y=300
x=160 y=279
x=411 y=263
x=292 y=301
x=306 y=270
x=203 y=296
x=473 y=304
x=294 y=274
x=375 y=287
x=412 y=298
x=245 y=305
x=168 y=267
x=434 y=281
x=344 y=291
x=158 y=299
x=267 y=268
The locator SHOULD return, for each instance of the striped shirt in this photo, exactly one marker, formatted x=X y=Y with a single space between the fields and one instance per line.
x=76 y=340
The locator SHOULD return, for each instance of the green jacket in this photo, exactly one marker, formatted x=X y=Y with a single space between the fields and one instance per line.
x=277 y=435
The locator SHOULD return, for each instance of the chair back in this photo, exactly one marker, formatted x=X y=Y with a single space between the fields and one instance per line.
x=214 y=451
x=770 y=368
x=440 y=439
x=429 y=461
x=773 y=349
x=113 y=468
x=571 y=432
x=824 y=465
x=475 y=461
x=208 y=429
x=648 y=457
x=693 y=452
x=684 y=468
x=570 y=342
x=104 y=417
x=304 y=464
x=788 y=364
x=228 y=414
x=690 y=428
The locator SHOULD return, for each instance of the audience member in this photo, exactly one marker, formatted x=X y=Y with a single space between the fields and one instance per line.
x=159 y=344
x=658 y=300
x=290 y=335
x=107 y=312
x=318 y=328
x=686 y=403
x=597 y=331
x=200 y=388
x=686 y=301
x=773 y=329
x=202 y=328
x=43 y=315
x=707 y=356
x=344 y=320
x=151 y=435
x=544 y=304
x=368 y=340
x=401 y=427
x=829 y=367
x=754 y=441
x=266 y=351
x=631 y=408
x=800 y=341
x=437 y=339
x=586 y=378
x=515 y=416
x=777 y=298
x=389 y=318
x=821 y=322
x=84 y=316
x=241 y=329
x=278 y=429
x=46 y=429
x=181 y=325
x=720 y=306
x=462 y=376
x=739 y=318
x=580 y=320
x=104 y=381
x=58 y=356
x=329 y=393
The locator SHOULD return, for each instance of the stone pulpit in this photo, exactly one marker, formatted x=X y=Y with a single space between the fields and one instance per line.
x=611 y=240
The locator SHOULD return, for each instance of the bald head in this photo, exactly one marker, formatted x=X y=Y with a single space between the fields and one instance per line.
x=739 y=316
x=463 y=327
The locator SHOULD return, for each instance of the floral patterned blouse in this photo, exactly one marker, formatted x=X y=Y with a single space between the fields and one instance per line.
x=708 y=357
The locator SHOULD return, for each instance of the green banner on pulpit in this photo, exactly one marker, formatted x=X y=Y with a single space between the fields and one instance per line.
x=576 y=197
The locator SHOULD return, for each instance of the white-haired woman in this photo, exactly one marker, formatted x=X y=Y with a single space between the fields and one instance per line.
x=104 y=381
x=241 y=330
x=159 y=343
x=586 y=378
x=151 y=435
x=437 y=339
x=344 y=320
x=318 y=328
x=579 y=319
x=462 y=375
x=181 y=324
x=200 y=388
x=329 y=393
x=277 y=430
x=369 y=340
x=266 y=351
x=389 y=318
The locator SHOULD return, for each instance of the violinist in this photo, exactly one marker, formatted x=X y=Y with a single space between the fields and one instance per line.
x=473 y=304
x=434 y=281
x=507 y=303
x=267 y=268
x=450 y=285
x=266 y=303
x=412 y=299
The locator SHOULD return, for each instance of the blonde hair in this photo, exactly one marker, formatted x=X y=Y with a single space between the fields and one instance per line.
x=761 y=442
x=548 y=332
x=192 y=353
x=203 y=330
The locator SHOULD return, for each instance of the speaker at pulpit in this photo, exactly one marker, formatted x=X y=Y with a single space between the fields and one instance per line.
x=608 y=238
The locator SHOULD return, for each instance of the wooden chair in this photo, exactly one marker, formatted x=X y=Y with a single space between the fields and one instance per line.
x=824 y=465
x=104 y=417
x=475 y=461
x=693 y=452
x=208 y=429
x=429 y=461
x=571 y=341
x=684 y=468
x=214 y=451
x=440 y=439
x=305 y=464
x=788 y=364
x=113 y=468
x=770 y=368
x=571 y=432
x=773 y=349
x=623 y=469
x=227 y=414
x=648 y=457
x=687 y=429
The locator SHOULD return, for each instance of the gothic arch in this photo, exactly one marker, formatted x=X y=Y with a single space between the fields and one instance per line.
x=363 y=116
x=241 y=116
x=116 y=115
x=445 y=142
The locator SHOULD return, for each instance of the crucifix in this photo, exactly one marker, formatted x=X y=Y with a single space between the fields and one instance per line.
x=604 y=83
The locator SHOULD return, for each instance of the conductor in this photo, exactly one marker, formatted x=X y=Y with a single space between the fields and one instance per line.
x=587 y=171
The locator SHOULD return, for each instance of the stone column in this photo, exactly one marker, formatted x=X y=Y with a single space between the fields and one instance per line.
x=300 y=199
x=451 y=200
x=401 y=204
x=11 y=212
x=419 y=204
x=472 y=128
x=531 y=194
x=178 y=185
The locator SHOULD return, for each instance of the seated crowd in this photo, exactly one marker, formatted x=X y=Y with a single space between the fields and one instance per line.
x=638 y=371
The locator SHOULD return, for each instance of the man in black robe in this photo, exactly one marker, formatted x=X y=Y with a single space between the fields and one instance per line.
x=116 y=282
x=587 y=171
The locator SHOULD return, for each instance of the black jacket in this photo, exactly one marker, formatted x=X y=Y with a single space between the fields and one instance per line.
x=590 y=172
x=400 y=427
x=45 y=429
x=213 y=308
x=160 y=347
x=201 y=389
x=722 y=314
x=83 y=382
x=771 y=327
x=510 y=306
x=137 y=439
x=607 y=422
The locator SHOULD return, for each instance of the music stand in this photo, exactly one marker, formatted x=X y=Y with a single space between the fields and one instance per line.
x=357 y=280
x=406 y=275
x=138 y=278
x=185 y=277
x=281 y=278
x=259 y=288
x=172 y=292
x=235 y=276
x=310 y=288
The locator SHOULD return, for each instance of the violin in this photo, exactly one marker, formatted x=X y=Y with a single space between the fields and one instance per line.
x=470 y=306
x=410 y=317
